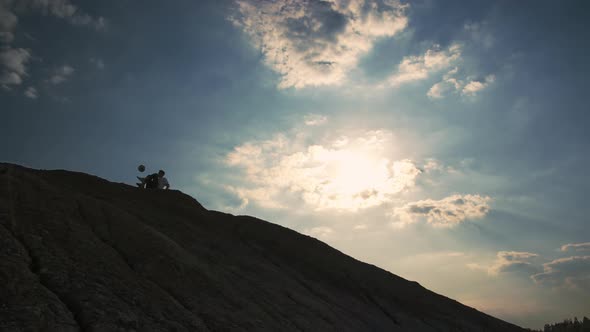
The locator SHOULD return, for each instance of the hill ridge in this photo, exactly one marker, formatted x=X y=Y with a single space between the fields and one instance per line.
x=86 y=254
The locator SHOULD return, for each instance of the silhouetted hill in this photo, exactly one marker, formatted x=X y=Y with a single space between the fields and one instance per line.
x=80 y=253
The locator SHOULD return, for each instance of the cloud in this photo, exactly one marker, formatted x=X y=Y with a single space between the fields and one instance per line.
x=13 y=66
x=97 y=62
x=452 y=85
x=447 y=212
x=343 y=173
x=314 y=43
x=576 y=246
x=449 y=84
x=570 y=272
x=315 y=119
x=443 y=88
x=514 y=261
x=8 y=22
x=320 y=232
x=63 y=9
x=31 y=92
x=360 y=227
x=473 y=87
x=61 y=74
x=420 y=67
x=478 y=32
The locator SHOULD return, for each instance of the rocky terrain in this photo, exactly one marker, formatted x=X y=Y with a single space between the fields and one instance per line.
x=79 y=253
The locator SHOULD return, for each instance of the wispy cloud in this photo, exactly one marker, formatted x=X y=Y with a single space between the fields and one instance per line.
x=8 y=22
x=570 y=272
x=576 y=247
x=514 y=261
x=478 y=31
x=447 y=212
x=567 y=272
x=31 y=92
x=61 y=74
x=450 y=84
x=97 y=62
x=420 y=67
x=313 y=43
x=63 y=9
x=14 y=61
x=321 y=232
x=315 y=119
x=443 y=88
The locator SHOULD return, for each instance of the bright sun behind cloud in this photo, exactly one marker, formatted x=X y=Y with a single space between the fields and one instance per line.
x=346 y=173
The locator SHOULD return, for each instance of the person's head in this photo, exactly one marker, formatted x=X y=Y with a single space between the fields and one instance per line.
x=161 y=173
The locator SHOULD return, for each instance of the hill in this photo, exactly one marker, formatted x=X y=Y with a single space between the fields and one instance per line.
x=80 y=253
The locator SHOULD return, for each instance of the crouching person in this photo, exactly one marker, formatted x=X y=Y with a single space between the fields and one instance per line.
x=154 y=181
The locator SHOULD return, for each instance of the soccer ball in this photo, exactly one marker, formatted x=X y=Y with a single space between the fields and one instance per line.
x=141 y=168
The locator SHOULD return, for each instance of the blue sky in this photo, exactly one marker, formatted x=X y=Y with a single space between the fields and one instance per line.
x=443 y=141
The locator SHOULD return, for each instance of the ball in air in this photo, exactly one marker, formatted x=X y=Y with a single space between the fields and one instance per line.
x=141 y=168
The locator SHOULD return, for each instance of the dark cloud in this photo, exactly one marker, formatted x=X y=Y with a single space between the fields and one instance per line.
x=576 y=247
x=13 y=66
x=425 y=209
x=322 y=24
x=515 y=262
x=518 y=267
x=449 y=211
x=570 y=272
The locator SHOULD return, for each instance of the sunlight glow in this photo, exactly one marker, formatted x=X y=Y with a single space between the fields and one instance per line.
x=348 y=173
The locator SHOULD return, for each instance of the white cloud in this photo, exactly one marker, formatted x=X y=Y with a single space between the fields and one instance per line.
x=315 y=119
x=450 y=84
x=314 y=43
x=570 y=272
x=31 y=92
x=473 y=87
x=420 y=67
x=61 y=74
x=576 y=246
x=13 y=66
x=441 y=89
x=446 y=212
x=343 y=173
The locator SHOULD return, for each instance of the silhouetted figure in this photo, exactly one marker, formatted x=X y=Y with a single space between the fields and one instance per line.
x=154 y=181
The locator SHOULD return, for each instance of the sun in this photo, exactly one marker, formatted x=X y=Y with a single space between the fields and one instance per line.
x=357 y=172
x=353 y=178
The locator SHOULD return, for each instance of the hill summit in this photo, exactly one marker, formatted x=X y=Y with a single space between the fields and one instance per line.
x=80 y=253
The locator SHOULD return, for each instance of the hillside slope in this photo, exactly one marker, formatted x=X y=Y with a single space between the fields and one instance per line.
x=80 y=253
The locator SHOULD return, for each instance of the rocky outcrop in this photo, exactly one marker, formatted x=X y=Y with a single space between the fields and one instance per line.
x=80 y=253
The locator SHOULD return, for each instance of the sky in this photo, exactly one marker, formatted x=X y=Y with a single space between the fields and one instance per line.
x=444 y=141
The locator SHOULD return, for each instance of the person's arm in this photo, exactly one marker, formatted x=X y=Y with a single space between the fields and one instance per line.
x=166 y=184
